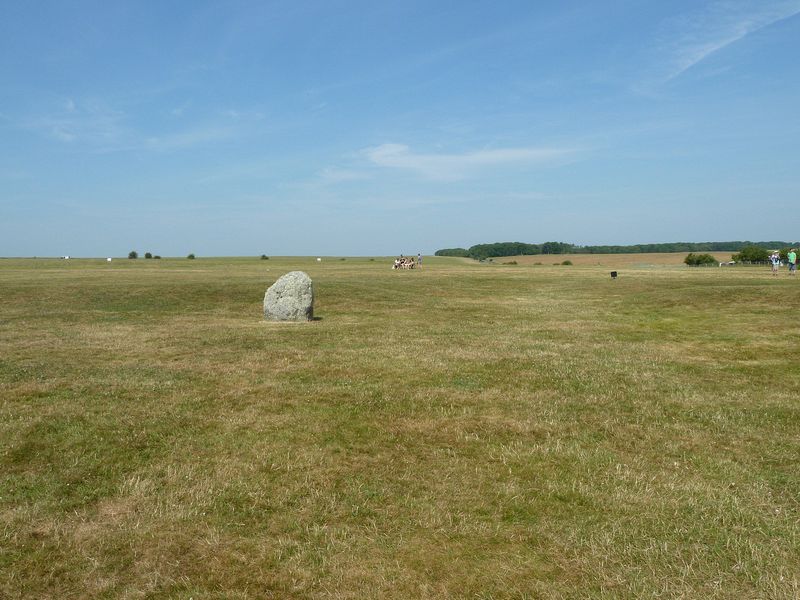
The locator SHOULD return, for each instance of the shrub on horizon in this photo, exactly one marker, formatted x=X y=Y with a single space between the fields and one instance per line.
x=148 y=255
x=133 y=254
x=567 y=262
x=752 y=254
x=264 y=257
x=190 y=257
x=698 y=260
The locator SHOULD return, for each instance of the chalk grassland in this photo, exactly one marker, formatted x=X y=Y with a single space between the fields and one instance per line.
x=467 y=430
x=613 y=261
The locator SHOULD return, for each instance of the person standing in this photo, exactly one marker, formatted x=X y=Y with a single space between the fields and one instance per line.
x=792 y=258
x=775 y=259
x=419 y=260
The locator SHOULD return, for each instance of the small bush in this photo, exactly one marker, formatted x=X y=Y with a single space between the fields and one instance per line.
x=190 y=257
x=567 y=262
x=148 y=255
x=697 y=260
x=511 y=262
x=538 y=263
x=157 y=256
x=264 y=257
x=133 y=254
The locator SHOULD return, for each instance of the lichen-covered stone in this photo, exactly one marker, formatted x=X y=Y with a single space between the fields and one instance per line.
x=291 y=298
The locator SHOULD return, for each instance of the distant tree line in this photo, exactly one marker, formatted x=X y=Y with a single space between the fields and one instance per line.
x=498 y=249
x=484 y=251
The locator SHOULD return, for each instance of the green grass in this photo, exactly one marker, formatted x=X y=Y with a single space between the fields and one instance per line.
x=465 y=430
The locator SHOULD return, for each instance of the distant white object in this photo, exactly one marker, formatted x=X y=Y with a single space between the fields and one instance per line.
x=66 y=258
x=108 y=260
x=319 y=259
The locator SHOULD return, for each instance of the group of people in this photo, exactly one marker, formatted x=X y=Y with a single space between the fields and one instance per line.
x=407 y=262
x=791 y=260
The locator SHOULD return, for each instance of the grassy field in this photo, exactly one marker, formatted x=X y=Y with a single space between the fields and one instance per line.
x=462 y=431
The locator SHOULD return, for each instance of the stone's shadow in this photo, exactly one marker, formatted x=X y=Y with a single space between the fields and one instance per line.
x=316 y=318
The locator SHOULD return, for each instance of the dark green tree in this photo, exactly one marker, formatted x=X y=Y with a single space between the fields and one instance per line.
x=133 y=254
x=697 y=260
x=752 y=254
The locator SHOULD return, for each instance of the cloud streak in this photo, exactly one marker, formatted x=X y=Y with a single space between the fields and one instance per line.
x=336 y=175
x=94 y=125
x=459 y=166
x=689 y=39
x=199 y=136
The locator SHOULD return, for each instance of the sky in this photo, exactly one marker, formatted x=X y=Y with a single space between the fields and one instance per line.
x=349 y=127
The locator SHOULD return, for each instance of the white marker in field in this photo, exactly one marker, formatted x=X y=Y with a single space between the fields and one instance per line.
x=319 y=259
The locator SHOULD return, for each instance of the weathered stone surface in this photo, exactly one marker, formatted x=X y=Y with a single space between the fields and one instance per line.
x=291 y=298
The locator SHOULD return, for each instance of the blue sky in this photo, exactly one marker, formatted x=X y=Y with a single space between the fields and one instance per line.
x=360 y=128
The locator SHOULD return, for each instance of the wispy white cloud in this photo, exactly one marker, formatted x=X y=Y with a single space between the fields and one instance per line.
x=97 y=127
x=338 y=175
x=92 y=122
x=179 y=111
x=198 y=136
x=460 y=166
x=258 y=168
x=689 y=39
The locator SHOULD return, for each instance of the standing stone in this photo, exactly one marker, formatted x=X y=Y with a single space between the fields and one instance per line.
x=291 y=298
